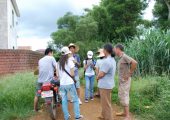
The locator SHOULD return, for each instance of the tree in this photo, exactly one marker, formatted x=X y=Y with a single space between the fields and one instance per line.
x=162 y=14
x=101 y=16
x=68 y=21
x=118 y=19
x=86 y=29
x=66 y=29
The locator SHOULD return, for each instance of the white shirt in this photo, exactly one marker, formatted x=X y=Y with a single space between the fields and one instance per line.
x=65 y=79
x=89 y=70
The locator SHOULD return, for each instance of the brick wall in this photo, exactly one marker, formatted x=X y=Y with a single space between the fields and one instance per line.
x=18 y=60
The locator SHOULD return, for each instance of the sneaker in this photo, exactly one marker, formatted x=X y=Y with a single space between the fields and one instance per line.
x=71 y=101
x=69 y=117
x=80 y=117
x=91 y=98
x=80 y=102
x=100 y=118
x=86 y=101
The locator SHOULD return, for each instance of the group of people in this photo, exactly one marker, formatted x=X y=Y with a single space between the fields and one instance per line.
x=104 y=69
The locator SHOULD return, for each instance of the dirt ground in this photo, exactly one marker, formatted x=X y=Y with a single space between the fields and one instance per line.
x=90 y=111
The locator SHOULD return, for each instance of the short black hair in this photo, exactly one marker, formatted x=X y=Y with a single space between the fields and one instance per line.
x=109 y=48
x=48 y=50
x=120 y=46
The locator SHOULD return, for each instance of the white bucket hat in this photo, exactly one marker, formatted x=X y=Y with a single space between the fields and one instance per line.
x=65 y=50
x=90 y=54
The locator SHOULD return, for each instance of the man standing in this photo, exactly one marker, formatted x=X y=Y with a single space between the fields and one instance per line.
x=126 y=67
x=73 y=48
x=106 y=82
x=46 y=67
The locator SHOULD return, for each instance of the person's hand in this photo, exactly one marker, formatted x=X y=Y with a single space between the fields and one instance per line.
x=97 y=78
x=55 y=78
x=127 y=77
x=74 y=61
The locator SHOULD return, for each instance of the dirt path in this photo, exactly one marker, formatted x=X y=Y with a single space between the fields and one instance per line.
x=90 y=111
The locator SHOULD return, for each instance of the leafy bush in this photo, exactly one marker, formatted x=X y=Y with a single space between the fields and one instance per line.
x=16 y=96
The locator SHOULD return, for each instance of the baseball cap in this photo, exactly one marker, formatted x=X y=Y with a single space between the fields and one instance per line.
x=90 y=54
x=65 y=50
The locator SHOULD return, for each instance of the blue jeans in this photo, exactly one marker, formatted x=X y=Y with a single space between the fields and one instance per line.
x=64 y=90
x=89 y=86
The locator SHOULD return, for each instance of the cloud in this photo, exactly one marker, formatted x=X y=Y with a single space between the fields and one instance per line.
x=38 y=17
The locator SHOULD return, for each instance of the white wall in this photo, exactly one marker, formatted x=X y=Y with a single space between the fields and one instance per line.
x=3 y=25
x=12 y=28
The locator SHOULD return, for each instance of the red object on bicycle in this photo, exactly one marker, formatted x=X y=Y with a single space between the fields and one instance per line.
x=46 y=86
x=56 y=89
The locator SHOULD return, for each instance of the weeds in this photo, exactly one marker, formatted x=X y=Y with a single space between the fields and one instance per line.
x=16 y=96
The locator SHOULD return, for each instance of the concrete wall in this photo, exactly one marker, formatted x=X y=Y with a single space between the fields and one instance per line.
x=12 y=26
x=3 y=25
x=12 y=61
x=8 y=28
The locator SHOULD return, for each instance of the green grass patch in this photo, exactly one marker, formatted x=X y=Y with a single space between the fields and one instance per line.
x=149 y=97
x=16 y=96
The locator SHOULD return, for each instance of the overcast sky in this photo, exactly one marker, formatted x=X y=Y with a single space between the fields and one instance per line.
x=38 y=18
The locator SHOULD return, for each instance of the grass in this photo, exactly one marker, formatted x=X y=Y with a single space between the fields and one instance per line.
x=16 y=96
x=149 y=97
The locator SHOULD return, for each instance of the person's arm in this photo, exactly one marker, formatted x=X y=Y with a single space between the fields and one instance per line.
x=71 y=66
x=77 y=62
x=72 y=72
x=100 y=75
x=133 y=65
x=97 y=70
x=57 y=74
x=103 y=70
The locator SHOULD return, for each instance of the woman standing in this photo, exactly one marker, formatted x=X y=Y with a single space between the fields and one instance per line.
x=100 y=57
x=67 y=85
x=106 y=82
x=89 y=65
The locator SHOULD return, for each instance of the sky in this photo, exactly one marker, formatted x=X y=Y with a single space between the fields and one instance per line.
x=38 y=18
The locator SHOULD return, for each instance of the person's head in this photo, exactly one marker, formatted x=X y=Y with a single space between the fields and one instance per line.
x=73 y=48
x=119 y=49
x=101 y=54
x=49 y=52
x=65 y=54
x=108 y=49
x=89 y=55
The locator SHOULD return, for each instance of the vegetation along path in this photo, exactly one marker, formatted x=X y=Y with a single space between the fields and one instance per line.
x=90 y=111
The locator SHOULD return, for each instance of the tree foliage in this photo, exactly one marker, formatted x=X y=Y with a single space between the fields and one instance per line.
x=162 y=13
x=111 y=21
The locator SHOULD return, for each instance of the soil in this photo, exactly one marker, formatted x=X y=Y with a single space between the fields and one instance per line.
x=90 y=111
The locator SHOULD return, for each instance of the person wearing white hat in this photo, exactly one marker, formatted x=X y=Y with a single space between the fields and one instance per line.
x=89 y=65
x=67 y=84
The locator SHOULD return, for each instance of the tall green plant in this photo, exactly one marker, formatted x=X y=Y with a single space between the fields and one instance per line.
x=152 y=52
